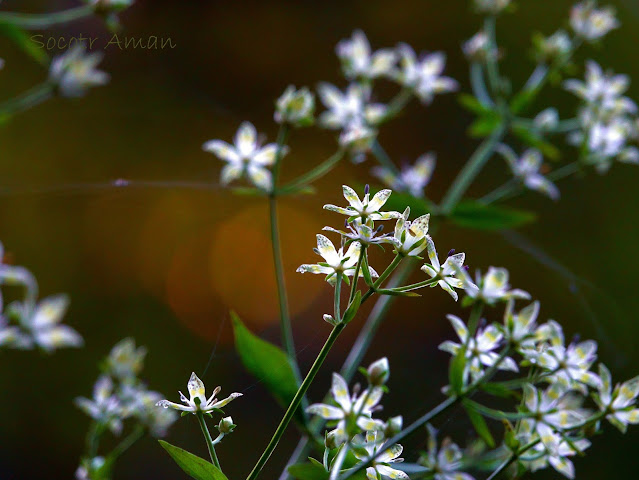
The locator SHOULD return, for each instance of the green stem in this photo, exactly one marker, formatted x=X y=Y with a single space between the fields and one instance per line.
x=43 y=21
x=390 y=269
x=479 y=86
x=209 y=440
x=564 y=171
x=418 y=285
x=339 y=461
x=362 y=253
x=125 y=444
x=472 y=168
x=29 y=99
x=397 y=104
x=374 y=320
x=285 y=317
x=382 y=157
x=492 y=67
x=315 y=174
x=501 y=192
x=297 y=399
x=509 y=461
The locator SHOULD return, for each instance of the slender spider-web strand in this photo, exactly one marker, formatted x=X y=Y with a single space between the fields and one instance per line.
x=537 y=253
x=217 y=342
x=119 y=184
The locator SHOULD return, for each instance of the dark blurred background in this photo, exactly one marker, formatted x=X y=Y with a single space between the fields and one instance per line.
x=164 y=265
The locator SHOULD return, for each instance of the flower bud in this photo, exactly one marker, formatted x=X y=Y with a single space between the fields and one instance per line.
x=295 y=107
x=334 y=439
x=547 y=120
x=491 y=6
x=553 y=48
x=378 y=372
x=393 y=426
x=226 y=425
x=477 y=48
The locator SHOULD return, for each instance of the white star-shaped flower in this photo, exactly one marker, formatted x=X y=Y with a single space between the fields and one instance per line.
x=424 y=76
x=246 y=156
x=448 y=274
x=198 y=401
x=336 y=261
x=358 y=61
x=353 y=413
x=366 y=208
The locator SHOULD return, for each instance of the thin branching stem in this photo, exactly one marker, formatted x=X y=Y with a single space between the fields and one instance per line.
x=43 y=21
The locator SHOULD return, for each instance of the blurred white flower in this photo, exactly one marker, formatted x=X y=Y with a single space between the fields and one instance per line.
x=104 y=408
x=198 y=401
x=424 y=76
x=74 y=71
x=494 y=287
x=446 y=462
x=592 y=23
x=527 y=170
x=125 y=361
x=411 y=178
x=246 y=156
x=358 y=61
x=42 y=323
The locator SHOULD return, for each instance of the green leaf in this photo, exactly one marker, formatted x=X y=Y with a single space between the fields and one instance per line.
x=469 y=102
x=475 y=215
x=533 y=139
x=484 y=125
x=308 y=471
x=266 y=362
x=480 y=424
x=24 y=41
x=456 y=370
x=193 y=466
x=498 y=390
x=522 y=100
x=350 y=313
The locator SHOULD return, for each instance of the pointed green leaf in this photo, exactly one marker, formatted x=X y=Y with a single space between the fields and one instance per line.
x=475 y=215
x=192 y=465
x=470 y=103
x=352 y=309
x=457 y=369
x=533 y=139
x=24 y=41
x=484 y=125
x=267 y=362
x=480 y=424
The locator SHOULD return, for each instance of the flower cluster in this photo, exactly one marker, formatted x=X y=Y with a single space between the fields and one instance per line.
x=607 y=118
x=29 y=323
x=119 y=394
x=555 y=418
x=356 y=430
x=119 y=397
x=409 y=239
